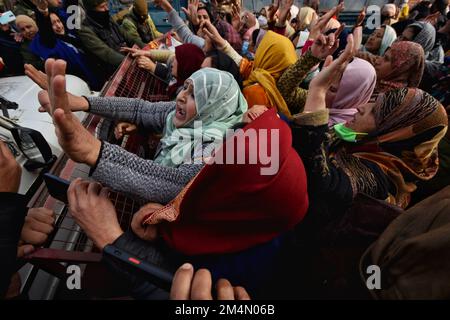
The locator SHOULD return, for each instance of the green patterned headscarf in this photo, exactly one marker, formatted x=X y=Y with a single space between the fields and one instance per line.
x=219 y=104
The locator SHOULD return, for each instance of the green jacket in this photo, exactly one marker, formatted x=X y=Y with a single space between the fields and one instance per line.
x=104 y=44
x=143 y=33
x=29 y=57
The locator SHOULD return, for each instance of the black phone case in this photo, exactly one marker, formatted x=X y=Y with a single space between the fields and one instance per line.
x=57 y=187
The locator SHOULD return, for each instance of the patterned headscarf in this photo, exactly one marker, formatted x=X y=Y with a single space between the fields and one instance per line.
x=409 y=125
x=426 y=37
x=408 y=63
x=219 y=104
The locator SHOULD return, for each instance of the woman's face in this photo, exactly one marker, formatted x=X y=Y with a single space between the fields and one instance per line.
x=263 y=12
x=364 y=119
x=407 y=35
x=331 y=93
x=202 y=15
x=185 y=105
x=174 y=67
x=383 y=65
x=4 y=27
x=28 y=30
x=102 y=7
x=57 y=26
x=374 y=42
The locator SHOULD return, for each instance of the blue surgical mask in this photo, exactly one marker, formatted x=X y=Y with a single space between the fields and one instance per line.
x=245 y=45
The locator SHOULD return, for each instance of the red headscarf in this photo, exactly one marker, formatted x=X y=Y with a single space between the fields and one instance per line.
x=189 y=58
x=233 y=207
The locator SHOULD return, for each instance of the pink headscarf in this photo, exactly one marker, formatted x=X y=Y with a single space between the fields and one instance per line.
x=248 y=34
x=355 y=89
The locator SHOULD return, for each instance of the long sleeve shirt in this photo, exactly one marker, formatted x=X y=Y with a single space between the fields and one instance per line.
x=128 y=173
x=181 y=28
x=288 y=83
x=326 y=179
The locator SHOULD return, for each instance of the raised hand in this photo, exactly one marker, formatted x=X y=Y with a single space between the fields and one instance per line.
x=37 y=76
x=322 y=82
x=42 y=5
x=236 y=16
x=285 y=7
x=324 y=45
x=164 y=4
x=208 y=46
x=210 y=31
x=43 y=80
x=318 y=26
x=361 y=17
x=432 y=18
x=18 y=37
x=191 y=11
x=76 y=141
x=272 y=10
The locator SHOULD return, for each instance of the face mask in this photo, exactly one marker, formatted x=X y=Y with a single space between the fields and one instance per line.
x=101 y=17
x=347 y=134
x=245 y=45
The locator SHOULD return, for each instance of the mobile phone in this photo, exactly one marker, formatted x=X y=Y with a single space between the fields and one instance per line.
x=7 y=17
x=155 y=274
x=57 y=187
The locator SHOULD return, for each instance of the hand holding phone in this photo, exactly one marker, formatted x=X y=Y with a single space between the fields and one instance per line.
x=7 y=17
x=153 y=273
x=57 y=187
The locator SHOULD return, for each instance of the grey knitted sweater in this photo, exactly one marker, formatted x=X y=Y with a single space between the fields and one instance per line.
x=126 y=172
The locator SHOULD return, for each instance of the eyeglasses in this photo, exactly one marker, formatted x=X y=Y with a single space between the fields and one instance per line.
x=32 y=145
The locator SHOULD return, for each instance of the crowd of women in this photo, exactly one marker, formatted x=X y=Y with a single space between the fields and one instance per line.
x=361 y=121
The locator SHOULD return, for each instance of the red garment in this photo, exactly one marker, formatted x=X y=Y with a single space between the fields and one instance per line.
x=307 y=45
x=189 y=59
x=232 y=207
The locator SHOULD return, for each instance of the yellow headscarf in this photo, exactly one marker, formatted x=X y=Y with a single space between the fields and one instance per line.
x=273 y=56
